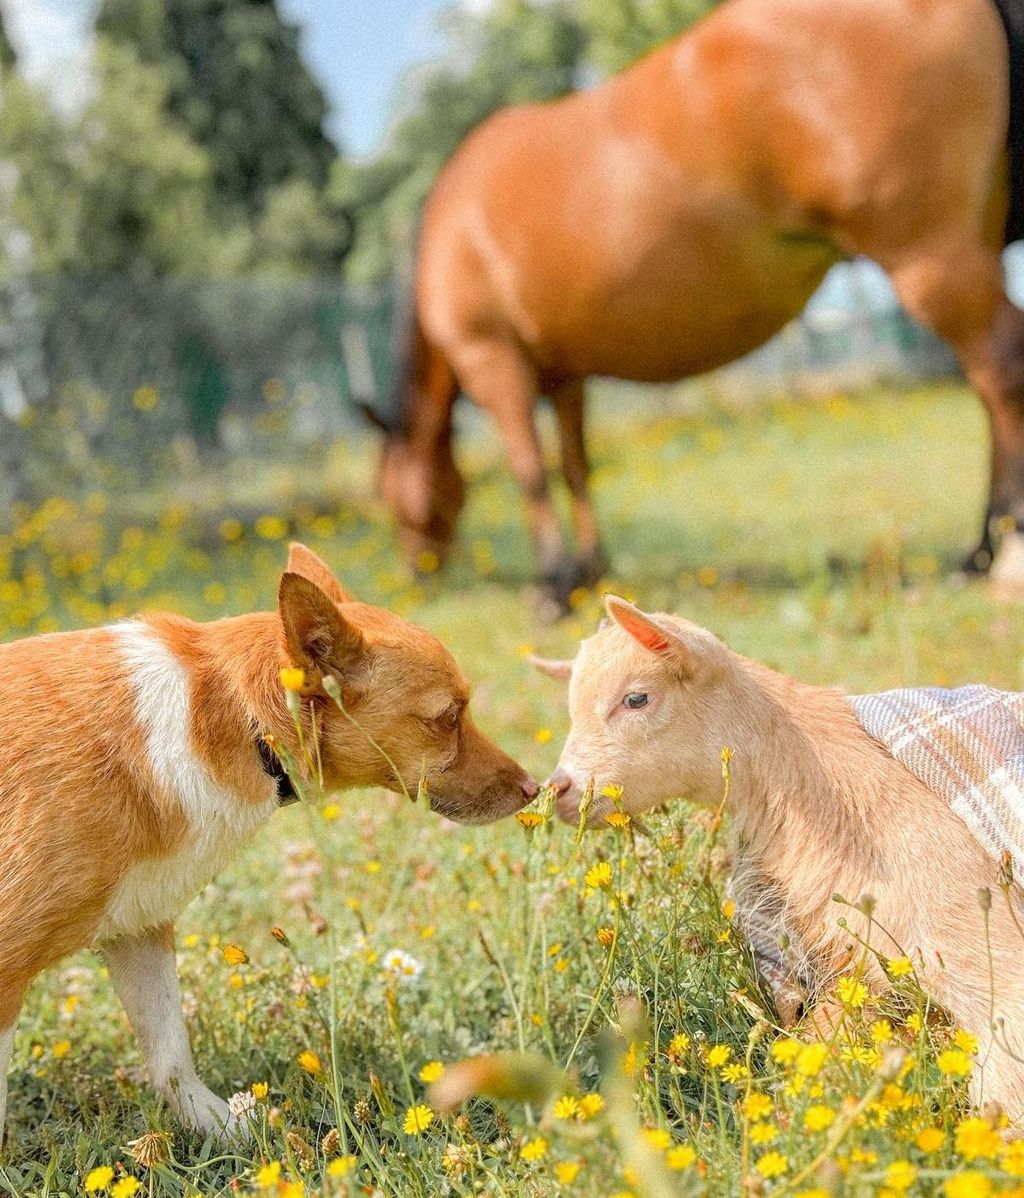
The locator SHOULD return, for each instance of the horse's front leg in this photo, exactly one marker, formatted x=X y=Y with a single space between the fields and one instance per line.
x=590 y=562
x=500 y=379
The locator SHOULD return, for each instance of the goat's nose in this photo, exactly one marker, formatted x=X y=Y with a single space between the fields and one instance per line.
x=560 y=782
x=529 y=788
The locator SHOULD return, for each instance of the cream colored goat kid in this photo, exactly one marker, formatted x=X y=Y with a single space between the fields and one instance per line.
x=820 y=807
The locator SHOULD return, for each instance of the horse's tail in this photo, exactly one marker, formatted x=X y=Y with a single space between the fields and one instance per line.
x=416 y=363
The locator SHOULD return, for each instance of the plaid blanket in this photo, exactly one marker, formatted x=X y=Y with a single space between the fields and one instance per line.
x=966 y=745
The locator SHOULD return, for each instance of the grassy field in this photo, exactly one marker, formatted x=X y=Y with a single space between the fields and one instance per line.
x=818 y=537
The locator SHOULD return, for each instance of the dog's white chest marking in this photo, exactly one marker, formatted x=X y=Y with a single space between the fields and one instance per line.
x=156 y=890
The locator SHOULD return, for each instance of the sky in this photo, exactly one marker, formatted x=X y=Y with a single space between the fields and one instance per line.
x=359 y=50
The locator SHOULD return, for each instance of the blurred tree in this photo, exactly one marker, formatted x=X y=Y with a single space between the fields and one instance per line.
x=620 y=31
x=516 y=51
x=134 y=190
x=237 y=83
x=8 y=59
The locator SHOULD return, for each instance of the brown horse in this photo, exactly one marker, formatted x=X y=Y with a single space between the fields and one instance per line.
x=680 y=214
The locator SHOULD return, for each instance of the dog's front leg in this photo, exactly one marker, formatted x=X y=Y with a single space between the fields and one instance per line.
x=142 y=969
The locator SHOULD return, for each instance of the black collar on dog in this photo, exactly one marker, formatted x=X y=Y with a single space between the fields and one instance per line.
x=273 y=768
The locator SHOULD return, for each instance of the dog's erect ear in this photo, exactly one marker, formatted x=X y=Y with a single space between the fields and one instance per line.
x=304 y=562
x=562 y=670
x=686 y=656
x=319 y=638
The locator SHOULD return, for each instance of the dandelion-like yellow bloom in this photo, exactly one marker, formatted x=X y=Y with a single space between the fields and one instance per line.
x=98 y=1179
x=341 y=1166
x=965 y=1041
x=599 y=877
x=125 y=1188
x=763 y=1133
x=612 y=790
x=852 y=992
x=566 y=1172
x=977 y=1139
x=772 y=1164
x=529 y=819
x=969 y=1184
x=330 y=811
x=61 y=1048
x=269 y=1175
x=899 y=967
x=679 y=1044
x=718 y=1054
x=617 y=819
x=811 y=1058
x=786 y=1050
x=542 y=736
x=234 y=955
x=566 y=1107
x=293 y=678
x=757 y=1106
x=591 y=1105
x=930 y=1139
x=657 y=1137
x=309 y=1061
x=682 y=1156
x=533 y=1150
x=417 y=1119
x=954 y=1062
x=1012 y=1159
x=735 y=1072
x=431 y=1071
x=900 y=1175
x=259 y=1090
x=606 y=936
x=291 y=1189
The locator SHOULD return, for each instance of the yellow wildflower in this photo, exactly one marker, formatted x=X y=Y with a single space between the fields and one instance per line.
x=606 y=936
x=955 y=1062
x=899 y=967
x=657 y=1137
x=431 y=1071
x=763 y=1133
x=330 y=811
x=881 y=1031
x=591 y=1105
x=817 y=1118
x=234 y=955
x=976 y=1138
x=533 y=1150
x=900 y=1175
x=417 y=1119
x=930 y=1139
x=811 y=1058
x=852 y=992
x=617 y=819
x=61 y=1048
x=757 y=1106
x=341 y=1166
x=566 y=1171
x=599 y=877
x=566 y=1107
x=612 y=790
x=98 y=1179
x=772 y=1164
x=542 y=736
x=292 y=678
x=268 y=1177
x=679 y=1044
x=529 y=819
x=965 y=1041
x=970 y=1184
x=125 y=1188
x=718 y=1054
x=682 y=1156
x=259 y=1090
x=1012 y=1158
x=309 y=1061
x=786 y=1050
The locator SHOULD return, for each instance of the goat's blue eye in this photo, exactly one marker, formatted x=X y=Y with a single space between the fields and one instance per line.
x=635 y=700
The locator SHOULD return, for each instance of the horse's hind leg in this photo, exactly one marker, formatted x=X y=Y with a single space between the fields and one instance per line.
x=498 y=378
x=568 y=402
x=954 y=285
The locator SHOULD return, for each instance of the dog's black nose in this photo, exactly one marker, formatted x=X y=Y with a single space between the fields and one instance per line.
x=560 y=782
x=529 y=788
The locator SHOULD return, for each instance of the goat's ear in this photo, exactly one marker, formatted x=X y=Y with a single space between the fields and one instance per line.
x=318 y=638
x=304 y=562
x=688 y=655
x=562 y=670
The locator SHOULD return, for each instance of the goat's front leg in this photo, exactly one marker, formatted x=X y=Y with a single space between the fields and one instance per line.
x=142 y=969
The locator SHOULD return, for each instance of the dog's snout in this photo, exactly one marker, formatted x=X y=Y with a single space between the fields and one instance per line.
x=529 y=788
x=560 y=782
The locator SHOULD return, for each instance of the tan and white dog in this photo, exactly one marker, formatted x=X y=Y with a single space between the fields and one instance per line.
x=819 y=808
x=133 y=764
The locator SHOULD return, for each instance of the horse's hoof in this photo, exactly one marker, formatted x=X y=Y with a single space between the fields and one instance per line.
x=1006 y=576
x=977 y=563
